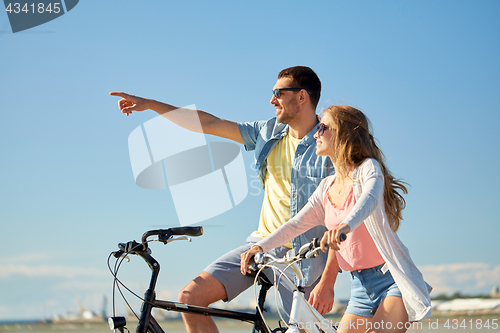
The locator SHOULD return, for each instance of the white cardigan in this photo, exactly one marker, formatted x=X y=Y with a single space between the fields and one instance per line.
x=368 y=186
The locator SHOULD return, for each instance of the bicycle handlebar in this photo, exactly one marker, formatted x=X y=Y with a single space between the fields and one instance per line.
x=308 y=250
x=164 y=236
x=316 y=241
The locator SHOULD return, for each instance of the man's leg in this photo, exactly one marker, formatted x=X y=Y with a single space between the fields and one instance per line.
x=221 y=280
x=202 y=291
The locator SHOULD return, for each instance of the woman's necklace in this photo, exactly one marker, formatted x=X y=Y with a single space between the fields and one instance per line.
x=338 y=189
x=335 y=192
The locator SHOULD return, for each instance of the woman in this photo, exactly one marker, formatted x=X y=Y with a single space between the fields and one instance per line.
x=362 y=199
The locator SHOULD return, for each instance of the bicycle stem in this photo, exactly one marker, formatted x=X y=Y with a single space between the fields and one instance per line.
x=149 y=295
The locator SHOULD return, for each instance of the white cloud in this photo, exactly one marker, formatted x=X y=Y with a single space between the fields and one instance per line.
x=466 y=278
x=78 y=284
x=50 y=271
x=31 y=257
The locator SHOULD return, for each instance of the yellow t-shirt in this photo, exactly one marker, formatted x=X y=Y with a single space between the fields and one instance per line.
x=276 y=205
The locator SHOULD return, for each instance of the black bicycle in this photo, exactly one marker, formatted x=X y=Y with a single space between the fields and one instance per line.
x=147 y=322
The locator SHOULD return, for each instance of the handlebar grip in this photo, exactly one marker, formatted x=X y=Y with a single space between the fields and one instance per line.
x=316 y=241
x=188 y=231
x=130 y=247
x=165 y=234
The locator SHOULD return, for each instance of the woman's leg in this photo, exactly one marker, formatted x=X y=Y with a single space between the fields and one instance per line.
x=351 y=323
x=390 y=317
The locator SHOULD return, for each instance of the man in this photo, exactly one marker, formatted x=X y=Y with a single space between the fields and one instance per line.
x=289 y=170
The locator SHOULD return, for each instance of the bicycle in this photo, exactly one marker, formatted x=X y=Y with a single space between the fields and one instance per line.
x=302 y=314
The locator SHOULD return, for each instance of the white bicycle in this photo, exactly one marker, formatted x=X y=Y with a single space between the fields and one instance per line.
x=302 y=314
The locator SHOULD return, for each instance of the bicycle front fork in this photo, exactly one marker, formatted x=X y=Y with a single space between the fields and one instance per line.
x=304 y=316
x=294 y=321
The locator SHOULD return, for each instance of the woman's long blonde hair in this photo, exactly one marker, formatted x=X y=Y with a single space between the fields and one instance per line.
x=353 y=142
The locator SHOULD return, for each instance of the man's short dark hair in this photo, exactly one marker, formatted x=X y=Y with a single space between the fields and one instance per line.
x=304 y=77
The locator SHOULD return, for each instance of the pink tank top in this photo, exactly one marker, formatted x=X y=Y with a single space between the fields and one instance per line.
x=358 y=251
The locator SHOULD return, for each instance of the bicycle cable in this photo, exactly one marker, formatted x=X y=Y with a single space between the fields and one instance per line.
x=277 y=293
x=256 y=297
x=277 y=283
x=117 y=282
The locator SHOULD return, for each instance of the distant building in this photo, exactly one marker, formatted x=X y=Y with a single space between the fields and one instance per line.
x=495 y=292
x=468 y=306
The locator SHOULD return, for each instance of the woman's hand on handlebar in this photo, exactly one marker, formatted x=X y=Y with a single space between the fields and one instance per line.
x=332 y=237
x=246 y=256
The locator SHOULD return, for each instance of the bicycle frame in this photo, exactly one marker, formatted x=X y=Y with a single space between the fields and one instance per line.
x=147 y=323
x=302 y=315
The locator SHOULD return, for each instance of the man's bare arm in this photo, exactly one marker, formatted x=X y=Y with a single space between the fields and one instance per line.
x=186 y=118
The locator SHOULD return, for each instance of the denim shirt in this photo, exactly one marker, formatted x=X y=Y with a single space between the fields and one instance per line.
x=307 y=172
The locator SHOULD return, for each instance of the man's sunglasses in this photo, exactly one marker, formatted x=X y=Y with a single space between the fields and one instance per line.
x=321 y=129
x=277 y=92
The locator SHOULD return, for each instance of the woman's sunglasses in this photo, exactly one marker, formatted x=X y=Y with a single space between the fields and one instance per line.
x=321 y=129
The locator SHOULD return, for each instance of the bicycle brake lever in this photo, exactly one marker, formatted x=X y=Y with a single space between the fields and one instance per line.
x=304 y=249
x=165 y=240
x=291 y=255
x=254 y=267
x=313 y=253
x=117 y=254
x=258 y=258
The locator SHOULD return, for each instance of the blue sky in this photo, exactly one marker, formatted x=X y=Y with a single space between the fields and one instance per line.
x=426 y=74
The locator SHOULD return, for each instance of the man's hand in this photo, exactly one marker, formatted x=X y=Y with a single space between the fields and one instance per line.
x=246 y=256
x=130 y=103
x=321 y=298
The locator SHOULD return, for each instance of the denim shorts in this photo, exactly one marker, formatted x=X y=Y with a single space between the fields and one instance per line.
x=369 y=287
